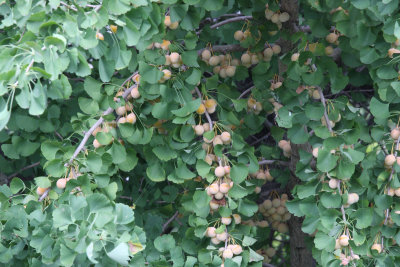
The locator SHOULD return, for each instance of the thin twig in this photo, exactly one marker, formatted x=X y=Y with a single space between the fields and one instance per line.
x=44 y=194
x=98 y=123
x=260 y=139
x=267 y=161
x=59 y=135
x=234 y=19
x=224 y=48
x=23 y=169
x=30 y=65
x=165 y=225
x=246 y=92
x=328 y=123
x=68 y=6
x=206 y=113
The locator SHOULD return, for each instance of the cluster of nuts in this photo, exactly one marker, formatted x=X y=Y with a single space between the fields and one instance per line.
x=267 y=253
x=276 y=213
x=167 y=75
x=218 y=190
x=224 y=65
x=241 y=35
x=262 y=174
x=254 y=106
x=174 y=59
x=172 y=25
x=164 y=45
x=210 y=105
x=285 y=146
x=332 y=38
x=275 y=85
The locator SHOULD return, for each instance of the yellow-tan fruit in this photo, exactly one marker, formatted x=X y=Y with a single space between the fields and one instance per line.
x=212 y=109
x=121 y=120
x=226 y=220
x=199 y=130
x=237 y=249
x=344 y=240
x=328 y=50
x=209 y=103
x=131 y=118
x=390 y=160
x=214 y=188
x=175 y=57
x=333 y=183
x=227 y=254
x=114 y=28
x=238 y=35
x=316 y=95
x=226 y=137
x=395 y=133
x=222 y=236
x=201 y=109
x=245 y=58
x=214 y=205
x=167 y=21
x=230 y=71
x=352 y=198
x=61 y=183
x=283 y=17
x=99 y=36
x=237 y=218
x=206 y=54
x=120 y=110
x=332 y=37
x=315 y=152
x=275 y=18
x=214 y=60
x=215 y=241
x=276 y=49
x=295 y=57
x=268 y=52
x=135 y=92
x=40 y=190
x=219 y=171
x=174 y=25
x=210 y=232
x=98 y=129
x=96 y=143
x=224 y=188
x=377 y=247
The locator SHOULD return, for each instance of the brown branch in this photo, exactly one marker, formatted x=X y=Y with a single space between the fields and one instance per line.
x=224 y=48
x=234 y=19
x=266 y=161
x=23 y=169
x=45 y=194
x=165 y=225
x=328 y=122
x=98 y=123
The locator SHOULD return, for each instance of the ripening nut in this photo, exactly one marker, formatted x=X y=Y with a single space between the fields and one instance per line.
x=227 y=254
x=99 y=36
x=227 y=169
x=214 y=205
x=61 y=183
x=199 y=130
x=237 y=218
x=96 y=143
x=120 y=110
x=390 y=160
x=215 y=241
x=270 y=252
x=237 y=249
x=214 y=188
x=222 y=236
x=328 y=50
x=210 y=103
x=224 y=188
x=121 y=120
x=238 y=35
x=276 y=49
x=201 y=109
x=352 y=198
x=295 y=57
x=395 y=133
x=214 y=60
x=135 y=93
x=245 y=58
x=283 y=17
x=332 y=37
x=167 y=74
x=226 y=137
x=219 y=171
x=174 y=57
x=210 y=232
x=377 y=247
x=226 y=220
x=206 y=55
x=114 y=28
x=315 y=152
x=344 y=240
x=333 y=183
x=230 y=71
x=167 y=21
x=131 y=118
x=40 y=190
x=392 y=51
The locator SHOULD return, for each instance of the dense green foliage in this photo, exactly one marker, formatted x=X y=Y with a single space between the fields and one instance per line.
x=201 y=105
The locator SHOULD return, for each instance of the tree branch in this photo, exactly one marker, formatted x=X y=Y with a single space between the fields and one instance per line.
x=23 y=169
x=224 y=48
x=165 y=225
x=266 y=161
x=234 y=19
x=99 y=122
x=328 y=122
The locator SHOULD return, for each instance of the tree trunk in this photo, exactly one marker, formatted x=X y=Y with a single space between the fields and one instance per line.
x=300 y=255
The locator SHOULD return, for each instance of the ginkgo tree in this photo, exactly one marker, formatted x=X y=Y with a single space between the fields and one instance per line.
x=199 y=133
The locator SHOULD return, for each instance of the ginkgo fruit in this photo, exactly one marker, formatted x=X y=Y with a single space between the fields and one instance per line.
x=226 y=220
x=201 y=109
x=222 y=236
x=40 y=190
x=344 y=240
x=227 y=169
x=227 y=254
x=214 y=60
x=199 y=130
x=96 y=143
x=332 y=37
x=238 y=35
x=210 y=232
x=245 y=58
x=295 y=57
x=99 y=36
x=284 y=16
x=175 y=57
x=121 y=120
x=131 y=118
x=167 y=21
x=237 y=249
x=120 y=110
x=219 y=171
x=135 y=92
x=215 y=241
x=114 y=28
x=61 y=183
x=276 y=49
x=333 y=183
x=395 y=133
x=237 y=218
x=352 y=198
x=390 y=160
x=206 y=54
x=224 y=188
x=230 y=71
x=377 y=247
x=214 y=188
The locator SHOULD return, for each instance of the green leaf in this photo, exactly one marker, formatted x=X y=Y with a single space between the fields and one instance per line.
x=104 y=138
x=92 y=88
x=364 y=217
x=164 y=153
x=17 y=185
x=89 y=106
x=164 y=243
x=247 y=208
x=331 y=200
x=188 y=108
x=248 y=241
x=326 y=161
x=324 y=242
x=379 y=109
x=120 y=254
x=43 y=181
x=189 y=58
x=117 y=152
x=155 y=172
x=239 y=172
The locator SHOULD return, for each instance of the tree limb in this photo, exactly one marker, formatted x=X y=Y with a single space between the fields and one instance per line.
x=99 y=122
x=23 y=169
x=165 y=225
